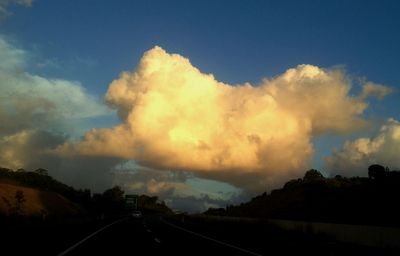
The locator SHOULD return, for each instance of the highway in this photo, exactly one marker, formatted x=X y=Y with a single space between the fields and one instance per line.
x=160 y=235
x=155 y=234
x=151 y=235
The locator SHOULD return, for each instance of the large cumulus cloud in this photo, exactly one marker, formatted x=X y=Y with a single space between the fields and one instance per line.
x=176 y=118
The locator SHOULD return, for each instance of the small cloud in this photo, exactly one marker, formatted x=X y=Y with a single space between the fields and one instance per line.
x=87 y=62
x=5 y=5
x=180 y=190
x=26 y=3
x=48 y=63
x=355 y=156
x=375 y=90
x=143 y=180
x=198 y=204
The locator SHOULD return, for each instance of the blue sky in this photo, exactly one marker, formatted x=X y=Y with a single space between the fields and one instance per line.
x=238 y=41
x=92 y=42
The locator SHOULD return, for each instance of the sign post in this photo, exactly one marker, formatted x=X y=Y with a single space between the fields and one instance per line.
x=131 y=202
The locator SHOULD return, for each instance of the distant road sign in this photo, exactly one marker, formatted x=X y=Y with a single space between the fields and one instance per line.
x=131 y=201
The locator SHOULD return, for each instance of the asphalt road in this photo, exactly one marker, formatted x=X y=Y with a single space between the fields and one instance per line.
x=166 y=235
x=162 y=235
x=158 y=235
x=151 y=235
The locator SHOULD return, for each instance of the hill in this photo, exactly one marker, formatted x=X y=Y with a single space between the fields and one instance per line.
x=39 y=194
x=355 y=200
x=35 y=193
x=34 y=202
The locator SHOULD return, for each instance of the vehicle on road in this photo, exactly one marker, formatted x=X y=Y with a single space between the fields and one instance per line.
x=136 y=214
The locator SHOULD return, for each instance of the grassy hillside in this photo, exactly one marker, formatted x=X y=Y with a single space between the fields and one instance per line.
x=35 y=202
x=26 y=193
x=35 y=193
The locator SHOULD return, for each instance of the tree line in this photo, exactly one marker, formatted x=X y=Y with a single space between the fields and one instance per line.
x=371 y=200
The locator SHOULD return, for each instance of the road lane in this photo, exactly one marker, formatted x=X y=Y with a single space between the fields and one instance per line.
x=153 y=235
x=175 y=241
x=238 y=249
x=127 y=236
x=132 y=237
x=90 y=236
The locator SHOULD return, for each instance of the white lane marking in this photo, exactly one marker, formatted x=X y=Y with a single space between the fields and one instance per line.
x=148 y=231
x=209 y=238
x=91 y=235
x=157 y=240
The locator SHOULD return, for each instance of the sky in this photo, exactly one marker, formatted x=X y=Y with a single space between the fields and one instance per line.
x=203 y=103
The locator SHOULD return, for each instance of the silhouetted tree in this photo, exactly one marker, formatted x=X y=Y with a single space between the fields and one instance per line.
x=19 y=202
x=151 y=203
x=111 y=201
x=115 y=194
x=291 y=184
x=376 y=171
x=42 y=171
x=312 y=175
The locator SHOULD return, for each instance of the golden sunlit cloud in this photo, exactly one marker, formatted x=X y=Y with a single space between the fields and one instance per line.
x=357 y=155
x=176 y=118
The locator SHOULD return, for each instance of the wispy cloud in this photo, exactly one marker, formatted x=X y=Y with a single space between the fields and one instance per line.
x=29 y=100
x=376 y=90
x=5 y=5
x=35 y=109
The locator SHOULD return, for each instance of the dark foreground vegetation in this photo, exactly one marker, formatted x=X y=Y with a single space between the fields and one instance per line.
x=357 y=200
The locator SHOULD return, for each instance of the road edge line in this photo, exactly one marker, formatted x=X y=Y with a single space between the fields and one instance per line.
x=89 y=236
